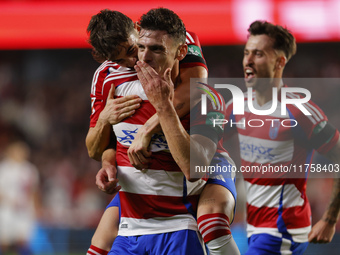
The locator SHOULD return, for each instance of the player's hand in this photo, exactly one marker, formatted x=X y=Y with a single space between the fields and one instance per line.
x=106 y=179
x=117 y=109
x=159 y=90
x=322 y=232
x=138 y=152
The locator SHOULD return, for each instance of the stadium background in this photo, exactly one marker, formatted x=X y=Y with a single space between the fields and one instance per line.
x=46 y=70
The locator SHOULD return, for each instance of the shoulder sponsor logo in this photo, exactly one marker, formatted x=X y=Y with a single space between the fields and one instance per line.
x=194 y=50
x=211 y=117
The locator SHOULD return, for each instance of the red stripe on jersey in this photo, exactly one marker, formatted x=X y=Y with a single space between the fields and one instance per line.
x=119 y=79
x=100 y=74
x=297 y=216
x=192 y=39
x=213 y=226
x=142 y=114
x=159 y=160
x=299 y=183
x=93 y=250
x=97 y=97
x=141 y=206
x=266 y=217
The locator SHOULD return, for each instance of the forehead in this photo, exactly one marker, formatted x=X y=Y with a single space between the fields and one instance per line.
x=259 y=42
x=154 y=36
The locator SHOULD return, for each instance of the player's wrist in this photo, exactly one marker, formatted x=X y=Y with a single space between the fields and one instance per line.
x=144 y=132
x=165 y=107
x=103 y=120
x=330 y=220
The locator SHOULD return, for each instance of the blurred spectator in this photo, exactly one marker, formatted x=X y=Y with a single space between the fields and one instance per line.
x=19 y=186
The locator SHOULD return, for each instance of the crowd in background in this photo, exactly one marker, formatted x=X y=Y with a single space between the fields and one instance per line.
x=45 y=102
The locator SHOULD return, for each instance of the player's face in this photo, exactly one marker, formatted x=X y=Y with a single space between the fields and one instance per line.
x=259 y=60
x=157 y=49
x=128 y=52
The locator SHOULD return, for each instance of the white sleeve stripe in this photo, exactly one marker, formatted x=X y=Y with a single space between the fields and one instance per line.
x=116 y=78
x=215 y=222
x=96 y=74
x=93 y=252
x=213 y=219
x=316 y=114
x=95 y=78
x=213 y=229
x=315 y=119
x=189 y=38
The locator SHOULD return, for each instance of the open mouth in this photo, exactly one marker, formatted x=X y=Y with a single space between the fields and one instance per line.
x=249 y=74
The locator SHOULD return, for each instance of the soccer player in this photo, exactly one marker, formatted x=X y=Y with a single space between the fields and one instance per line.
x=160 y=51
x=278 y=211
x=19 y=192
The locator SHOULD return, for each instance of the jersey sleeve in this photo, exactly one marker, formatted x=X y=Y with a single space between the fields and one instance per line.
x=98 y=100
x=194 y=56
x=211 y=124
x=320 y=134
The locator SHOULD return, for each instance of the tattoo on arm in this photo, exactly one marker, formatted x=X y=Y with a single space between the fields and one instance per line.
x=179 y=106
x=334 y=207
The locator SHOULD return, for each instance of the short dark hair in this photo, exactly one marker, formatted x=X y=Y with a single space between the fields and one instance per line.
x=165 y=20
x=107 y=30
x=283 y=38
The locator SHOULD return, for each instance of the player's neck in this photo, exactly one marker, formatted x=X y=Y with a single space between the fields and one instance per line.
x=265 y=95
x=175 y=73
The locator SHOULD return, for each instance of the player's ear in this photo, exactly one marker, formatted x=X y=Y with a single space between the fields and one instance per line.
x=182 y=51
x=136 y=26
x=281 y=62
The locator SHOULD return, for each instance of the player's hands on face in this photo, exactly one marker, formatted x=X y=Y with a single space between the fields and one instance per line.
x=159 y=90
x=138 y=152
x=106 y=179
x=117 y=109
x=322 y=232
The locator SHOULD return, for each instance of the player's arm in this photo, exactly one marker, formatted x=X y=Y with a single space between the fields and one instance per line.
x=323 y=231
x=138 y=152
x=106 y=178
x=160 y=93
x=115 y=110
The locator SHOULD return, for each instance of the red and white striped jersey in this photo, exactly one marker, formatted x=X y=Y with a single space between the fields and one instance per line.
x=159 y=199
x=277 y=206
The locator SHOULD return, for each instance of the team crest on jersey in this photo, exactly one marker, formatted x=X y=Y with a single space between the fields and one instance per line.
x=274 y=129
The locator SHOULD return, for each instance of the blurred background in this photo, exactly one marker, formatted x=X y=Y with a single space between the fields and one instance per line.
x=46 y=71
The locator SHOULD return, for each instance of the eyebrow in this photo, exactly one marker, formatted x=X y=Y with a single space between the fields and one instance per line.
x=131 y=47
x=127 y=51
x=153 y=47
x=252 y=50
